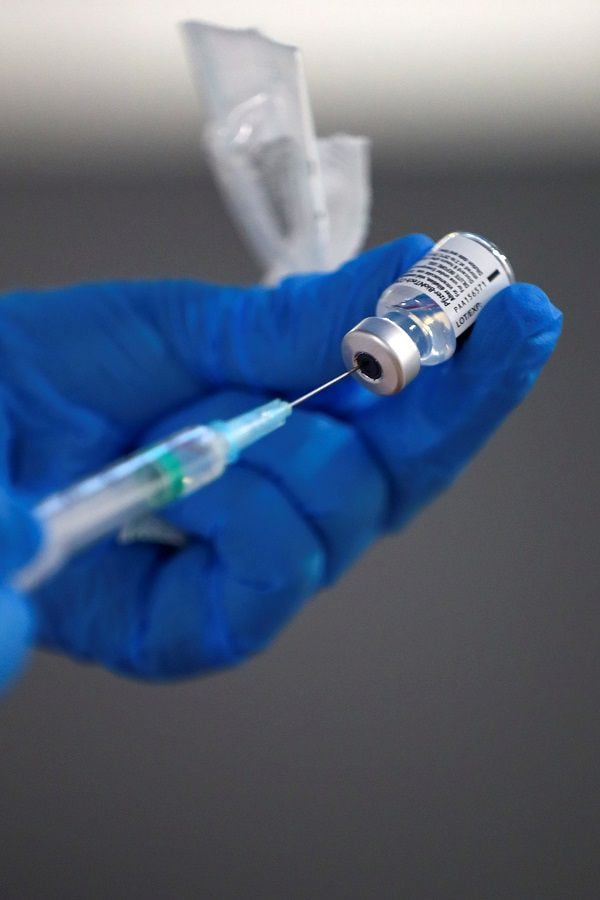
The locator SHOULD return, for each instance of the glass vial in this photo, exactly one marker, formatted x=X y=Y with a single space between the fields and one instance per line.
x=419 y=317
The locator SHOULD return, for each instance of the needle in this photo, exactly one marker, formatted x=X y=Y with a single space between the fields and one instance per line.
x=323 y=386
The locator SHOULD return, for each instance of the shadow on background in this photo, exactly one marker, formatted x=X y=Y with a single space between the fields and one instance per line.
x=429 y=727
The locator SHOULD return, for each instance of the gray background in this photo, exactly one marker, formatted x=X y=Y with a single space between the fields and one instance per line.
x=427 y=729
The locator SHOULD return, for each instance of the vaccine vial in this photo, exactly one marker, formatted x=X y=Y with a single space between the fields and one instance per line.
x=419 y=317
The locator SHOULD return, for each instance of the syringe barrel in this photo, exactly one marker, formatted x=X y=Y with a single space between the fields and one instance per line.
x=151 y=478
x=104 y=502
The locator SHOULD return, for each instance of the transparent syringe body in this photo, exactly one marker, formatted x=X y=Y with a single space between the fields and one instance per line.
x=104 y=502
x=131 y=488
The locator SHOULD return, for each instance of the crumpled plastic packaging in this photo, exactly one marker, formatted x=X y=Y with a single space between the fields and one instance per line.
x=301 y=203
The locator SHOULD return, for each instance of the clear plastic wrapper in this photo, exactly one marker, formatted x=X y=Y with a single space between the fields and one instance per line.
x=302 y=204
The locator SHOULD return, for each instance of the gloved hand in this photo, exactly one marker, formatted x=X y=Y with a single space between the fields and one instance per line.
x=93 y=372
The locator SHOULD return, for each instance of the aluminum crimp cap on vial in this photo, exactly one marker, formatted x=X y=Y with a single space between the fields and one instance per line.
x=387 y=356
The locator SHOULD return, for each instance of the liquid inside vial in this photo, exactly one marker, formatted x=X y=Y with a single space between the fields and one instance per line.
x=441 y=295
x=423 y=320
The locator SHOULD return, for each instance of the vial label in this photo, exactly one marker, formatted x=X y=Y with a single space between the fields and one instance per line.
x=461 y=274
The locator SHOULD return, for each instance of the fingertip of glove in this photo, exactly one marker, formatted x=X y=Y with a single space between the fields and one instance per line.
x=533 y=309
x=413 y=245
x=392 y=258
x=521 y=320
x=416 y=240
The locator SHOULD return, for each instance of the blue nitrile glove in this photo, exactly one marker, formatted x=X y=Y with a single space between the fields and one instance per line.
x=19 y=539
x=93 y=372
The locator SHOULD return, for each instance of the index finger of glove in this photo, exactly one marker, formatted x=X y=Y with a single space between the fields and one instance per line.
x=288 y=338
x=427 y=434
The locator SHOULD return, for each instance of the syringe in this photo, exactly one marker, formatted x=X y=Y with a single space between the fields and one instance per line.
x=145 y=481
